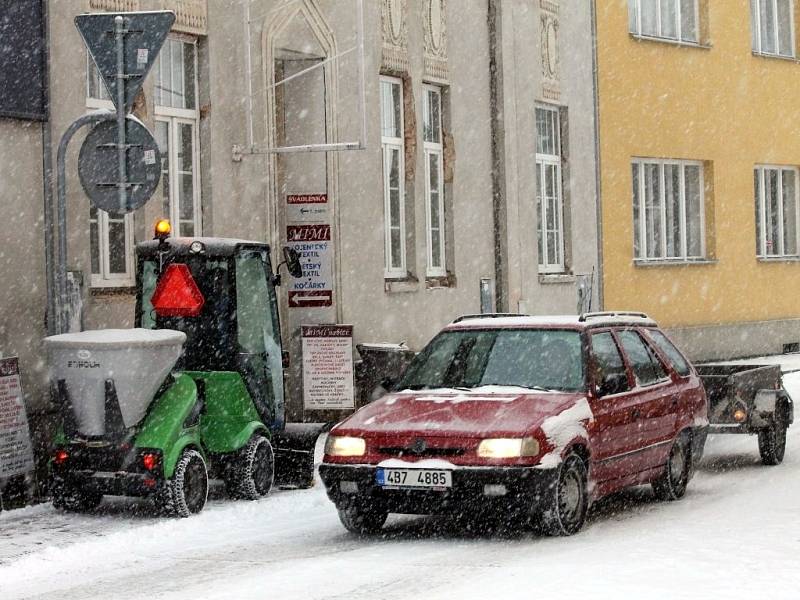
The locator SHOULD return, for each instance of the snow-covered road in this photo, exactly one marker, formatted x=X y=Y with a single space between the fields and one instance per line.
x=736 y=534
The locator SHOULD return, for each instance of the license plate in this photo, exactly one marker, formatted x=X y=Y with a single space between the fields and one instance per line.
x=414 y=478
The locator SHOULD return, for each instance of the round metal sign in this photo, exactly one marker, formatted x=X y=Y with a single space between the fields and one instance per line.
x=98 y=166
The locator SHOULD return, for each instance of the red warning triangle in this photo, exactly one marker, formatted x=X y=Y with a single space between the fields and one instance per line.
x=177 y=294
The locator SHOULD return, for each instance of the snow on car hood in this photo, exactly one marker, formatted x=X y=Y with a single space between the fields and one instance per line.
x=459 y=412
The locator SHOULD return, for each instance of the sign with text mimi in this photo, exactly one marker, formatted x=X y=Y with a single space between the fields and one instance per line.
x=309 y=232
x=16 y=452
x=328 y=367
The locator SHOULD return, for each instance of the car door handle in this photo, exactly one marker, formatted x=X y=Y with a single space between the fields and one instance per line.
x=636 y=413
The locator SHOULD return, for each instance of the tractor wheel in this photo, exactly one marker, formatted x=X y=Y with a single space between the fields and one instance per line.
x=570 y=502
x=772 y=442
x=361 y=520
x=671 y=485
x=252 y=470
x=71 y=499
x=186 y=492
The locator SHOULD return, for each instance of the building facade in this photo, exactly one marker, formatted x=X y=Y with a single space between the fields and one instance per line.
x=453 y=161
x=699 y=161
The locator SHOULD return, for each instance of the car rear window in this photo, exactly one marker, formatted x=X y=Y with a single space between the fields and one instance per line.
x=550 y=359
x=679 y=363
x=644 y=363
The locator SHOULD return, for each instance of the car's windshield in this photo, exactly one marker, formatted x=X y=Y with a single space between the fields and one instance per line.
x=543 y=359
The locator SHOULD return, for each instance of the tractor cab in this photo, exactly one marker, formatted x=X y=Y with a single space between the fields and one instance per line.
x=221 y=294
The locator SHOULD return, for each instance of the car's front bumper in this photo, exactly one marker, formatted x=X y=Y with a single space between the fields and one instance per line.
x=474 y=490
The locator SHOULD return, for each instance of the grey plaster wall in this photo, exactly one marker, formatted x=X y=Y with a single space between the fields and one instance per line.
x=521 y=55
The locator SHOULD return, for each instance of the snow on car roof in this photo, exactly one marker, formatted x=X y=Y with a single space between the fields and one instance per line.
x=566 y=321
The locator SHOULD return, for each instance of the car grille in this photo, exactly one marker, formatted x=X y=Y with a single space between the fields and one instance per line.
x=427 y=452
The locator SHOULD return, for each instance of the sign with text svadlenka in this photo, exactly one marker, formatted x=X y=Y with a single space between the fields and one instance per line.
x=16 y=452
x=328 y=367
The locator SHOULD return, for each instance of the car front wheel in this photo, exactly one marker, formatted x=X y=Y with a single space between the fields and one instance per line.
x=361 y=520
x=569 y=504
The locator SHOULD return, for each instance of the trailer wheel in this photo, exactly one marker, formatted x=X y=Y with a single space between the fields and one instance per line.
x=252 y=470
x=671 y=485
x=186 y=492
x=772 y=442
x=361 y=520
x=71 y=499
x=570 y=502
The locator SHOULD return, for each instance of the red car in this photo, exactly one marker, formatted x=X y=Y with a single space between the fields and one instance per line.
x=524 y=417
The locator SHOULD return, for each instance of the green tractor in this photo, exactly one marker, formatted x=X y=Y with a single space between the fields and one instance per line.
x=194 y=391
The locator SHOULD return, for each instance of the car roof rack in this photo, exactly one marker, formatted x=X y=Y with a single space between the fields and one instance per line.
x=612 y=313
x=488 y=316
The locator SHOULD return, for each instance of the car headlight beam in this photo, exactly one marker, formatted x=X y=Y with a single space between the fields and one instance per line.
x=508 y=447
x=340 y=445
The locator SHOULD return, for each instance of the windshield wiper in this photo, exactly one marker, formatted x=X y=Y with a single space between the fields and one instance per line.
x=537 y=388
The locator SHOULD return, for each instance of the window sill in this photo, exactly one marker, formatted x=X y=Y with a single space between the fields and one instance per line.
x=662 y=40
x=673 y=262
x=792 y=59
x=110 y=292
x=778 y=259
x=556 y=278
x=434 y=282
x=405 y=285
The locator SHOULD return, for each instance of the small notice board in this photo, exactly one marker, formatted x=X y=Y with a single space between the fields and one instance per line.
x=16 y=452
x=328 y=367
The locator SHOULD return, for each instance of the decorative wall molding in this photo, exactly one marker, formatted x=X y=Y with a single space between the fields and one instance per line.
x=435 y=28
x=548 y=46
x=191 y=16
x=114 y=5
x=394 y=29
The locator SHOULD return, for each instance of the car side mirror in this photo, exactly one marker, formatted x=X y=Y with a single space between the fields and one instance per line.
x=292 y=259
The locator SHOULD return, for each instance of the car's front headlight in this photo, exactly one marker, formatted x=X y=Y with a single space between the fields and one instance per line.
x=508 y=447
x=340 y=445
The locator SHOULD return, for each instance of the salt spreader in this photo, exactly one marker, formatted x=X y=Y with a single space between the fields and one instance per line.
x=194 y=391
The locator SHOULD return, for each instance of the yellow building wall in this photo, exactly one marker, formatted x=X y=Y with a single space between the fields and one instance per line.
x=719 y=104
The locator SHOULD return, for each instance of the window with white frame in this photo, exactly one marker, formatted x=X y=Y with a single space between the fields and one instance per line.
x=176 y=129
x=772 y=23
x=669 y=19
x=111 y=243
x=434 y=175
x=668 y=209
x=777 y=204
x=111 y=236
x=393 y=176
x=549 y=196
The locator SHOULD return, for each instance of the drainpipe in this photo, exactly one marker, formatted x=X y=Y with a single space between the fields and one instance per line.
x=47 y=184
x=597 y=171
x=498 y=153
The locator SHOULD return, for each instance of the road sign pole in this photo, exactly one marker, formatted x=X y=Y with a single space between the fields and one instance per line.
x=122 y=150
x=61 y=167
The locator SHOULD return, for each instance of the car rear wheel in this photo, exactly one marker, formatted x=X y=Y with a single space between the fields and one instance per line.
x=569 y=505
x=772 y=443
x=186 y=492
x=671 y=485
x=361 y=520
x=252 y=471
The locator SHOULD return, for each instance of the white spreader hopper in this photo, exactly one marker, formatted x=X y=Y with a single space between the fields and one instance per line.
x=137 y=360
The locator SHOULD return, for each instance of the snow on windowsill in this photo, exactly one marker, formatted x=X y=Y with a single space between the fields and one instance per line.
x=778 y=259
x=759 y=54
x=549 y=278
x=663 y=40
x=673 y=262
